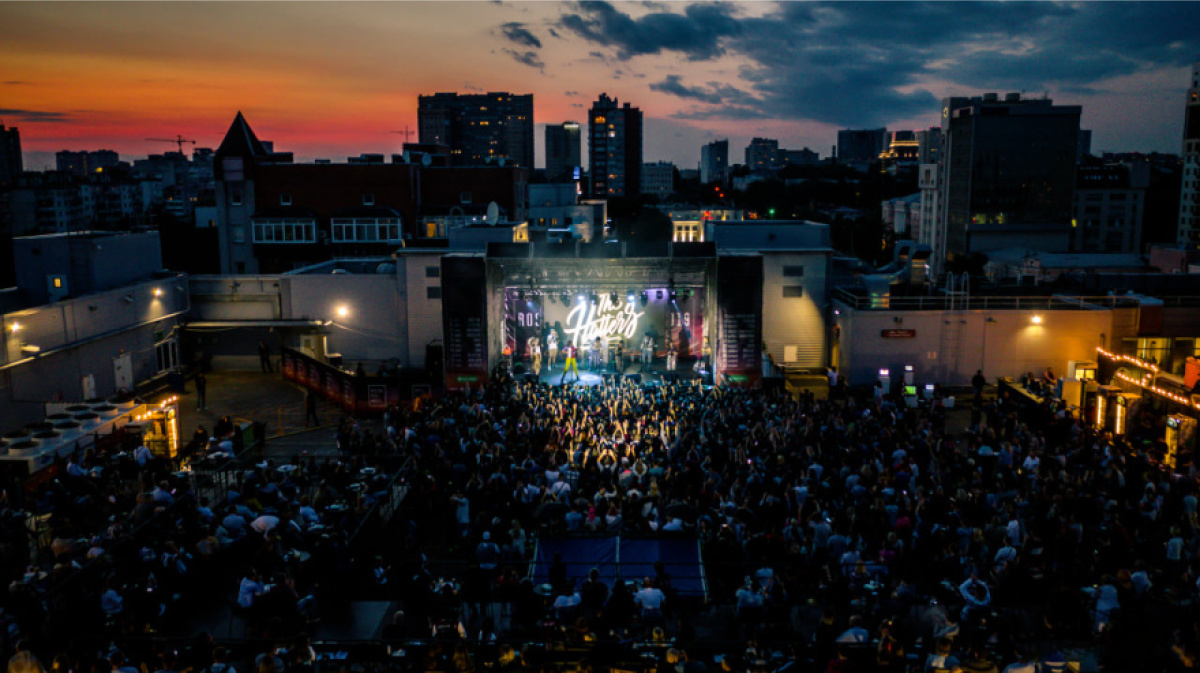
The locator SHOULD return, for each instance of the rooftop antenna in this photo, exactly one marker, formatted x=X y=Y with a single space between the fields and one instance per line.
x=407 y=133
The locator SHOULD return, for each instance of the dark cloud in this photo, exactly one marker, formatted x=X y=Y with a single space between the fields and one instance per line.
x=16 y=82
x=553 y=33
x=519 y=35
x=697 y=33
x=33 y=116
x=528 y=58
x=866 y=63
x=570 y=93
x=715 y=93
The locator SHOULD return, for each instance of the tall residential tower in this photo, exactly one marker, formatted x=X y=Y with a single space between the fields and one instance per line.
x=563 y=151
x=479 y=128
x=614 y=148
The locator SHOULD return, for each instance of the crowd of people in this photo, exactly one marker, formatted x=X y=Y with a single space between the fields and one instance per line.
x=1002 y=542
x=122 y=543
x=845 y=534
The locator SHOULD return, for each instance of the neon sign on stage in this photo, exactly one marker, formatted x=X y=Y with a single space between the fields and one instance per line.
x=586 y=321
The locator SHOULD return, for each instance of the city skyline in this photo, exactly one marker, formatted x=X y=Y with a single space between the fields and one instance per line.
x=109 y=75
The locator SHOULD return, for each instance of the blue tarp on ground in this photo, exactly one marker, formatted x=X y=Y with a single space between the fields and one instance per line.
x=628 y=558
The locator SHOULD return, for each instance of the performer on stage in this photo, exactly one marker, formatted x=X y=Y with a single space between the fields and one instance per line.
x=569 y=362
x=619 y=356
x=552 y=347
x=647 y=350
x=672 y=354
x=597 y=355
x=535 y=354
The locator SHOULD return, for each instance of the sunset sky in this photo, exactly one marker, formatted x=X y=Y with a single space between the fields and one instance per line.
x=336 y=79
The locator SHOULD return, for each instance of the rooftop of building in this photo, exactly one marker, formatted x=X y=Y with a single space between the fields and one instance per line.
x=1068 y=260
x=363 y=266
x=84 y=235
x=766 y=235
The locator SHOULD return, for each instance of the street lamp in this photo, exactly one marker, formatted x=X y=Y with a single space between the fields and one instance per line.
x=342 y=311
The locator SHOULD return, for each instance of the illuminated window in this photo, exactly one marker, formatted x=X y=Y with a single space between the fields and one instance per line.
x=285 y=199
x=368 y=199
x=57 y=283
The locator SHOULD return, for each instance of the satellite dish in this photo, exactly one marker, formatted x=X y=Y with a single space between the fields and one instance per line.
x=493 y=213
x=425 y=160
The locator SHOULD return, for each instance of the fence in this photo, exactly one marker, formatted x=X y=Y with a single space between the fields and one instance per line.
x=981 y=302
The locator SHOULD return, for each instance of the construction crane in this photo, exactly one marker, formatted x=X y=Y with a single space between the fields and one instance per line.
x=178 y=140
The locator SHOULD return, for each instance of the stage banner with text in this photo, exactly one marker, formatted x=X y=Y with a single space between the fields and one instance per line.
x=522 y=321
x=739 y=321
x=464 y=321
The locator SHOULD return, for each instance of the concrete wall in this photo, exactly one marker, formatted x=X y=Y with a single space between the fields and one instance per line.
x=370 y=330
x=81 y=337
x=239 y=298
x=62 y=324
x=87 y=262
x=388 y=315
x=797 y=322
x=423 y=314
x=949 y=346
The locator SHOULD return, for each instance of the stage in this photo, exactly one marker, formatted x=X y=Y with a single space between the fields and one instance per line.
x=655 y=373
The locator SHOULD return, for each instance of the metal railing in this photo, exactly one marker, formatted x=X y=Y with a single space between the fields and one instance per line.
x=982 y=302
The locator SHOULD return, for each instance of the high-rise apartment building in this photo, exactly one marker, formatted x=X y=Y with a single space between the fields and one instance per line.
x=860 y=146
x=10 y=156
x=804 y=157
x=83 y=162
x=563 y=151
x=1109 y=203
x=658 y=179
x=929 y=145
x=614 y=148
x=762 y=154
x=1007 y=170
x=714 y=162
x=1189 y=198
x=479 y=128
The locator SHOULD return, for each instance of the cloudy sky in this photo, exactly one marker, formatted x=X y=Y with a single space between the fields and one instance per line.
x=336 y=79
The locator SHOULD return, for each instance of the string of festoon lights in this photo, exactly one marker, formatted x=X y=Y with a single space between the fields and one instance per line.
x=1146 y=381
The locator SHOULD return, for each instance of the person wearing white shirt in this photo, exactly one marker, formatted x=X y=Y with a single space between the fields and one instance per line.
x=567 y=604
x=249 y=590
x=264 y=524
x=650 y=599
x=856 y=634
